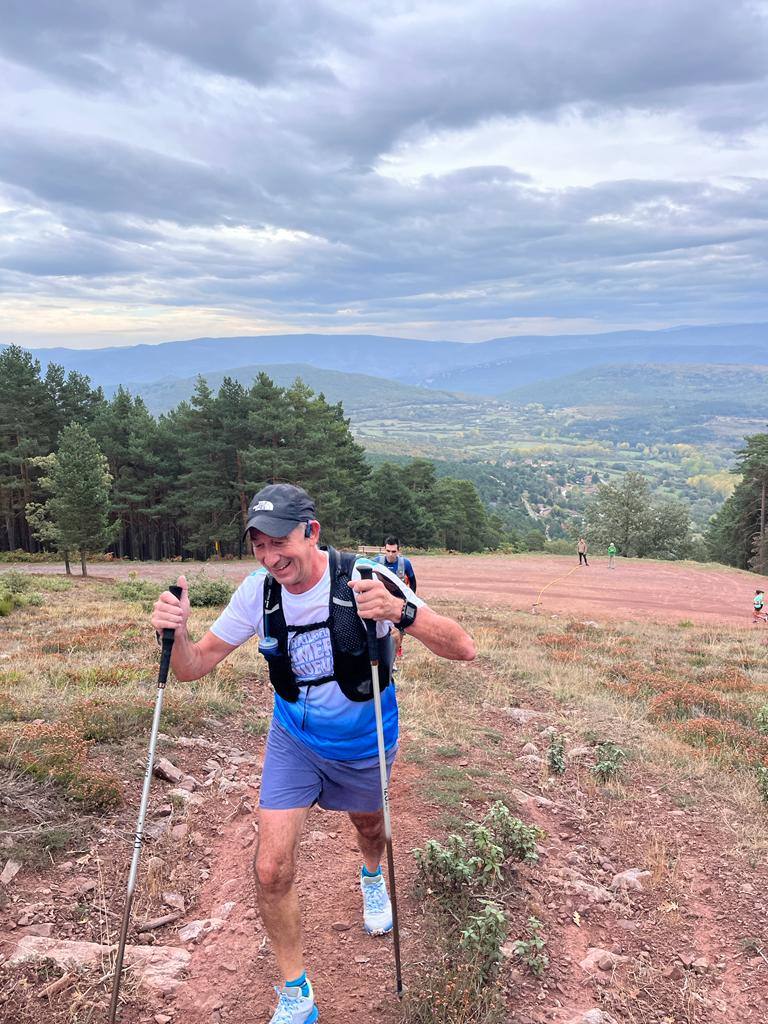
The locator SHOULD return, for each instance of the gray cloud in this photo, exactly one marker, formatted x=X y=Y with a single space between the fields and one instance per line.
x=178 y=154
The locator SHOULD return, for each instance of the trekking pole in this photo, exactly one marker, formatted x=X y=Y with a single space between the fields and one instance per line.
x=162 y=678
x=373 y=651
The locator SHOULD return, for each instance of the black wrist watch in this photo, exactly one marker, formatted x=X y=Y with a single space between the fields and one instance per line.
x=408 y=617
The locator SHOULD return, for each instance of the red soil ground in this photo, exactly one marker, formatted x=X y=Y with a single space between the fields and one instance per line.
x=635 y=589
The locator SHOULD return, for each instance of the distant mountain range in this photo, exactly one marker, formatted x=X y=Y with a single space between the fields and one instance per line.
x=359 y=392
x=487 y=368
x=538 y=414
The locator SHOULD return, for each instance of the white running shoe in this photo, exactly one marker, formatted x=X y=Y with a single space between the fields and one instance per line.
x=377 y=910
x=294 y=1007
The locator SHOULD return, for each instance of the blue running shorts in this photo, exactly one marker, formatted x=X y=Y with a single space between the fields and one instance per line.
x=294 y=776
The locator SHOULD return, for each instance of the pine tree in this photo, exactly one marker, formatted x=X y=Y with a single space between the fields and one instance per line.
x=27 y=431
x=392 y=509
x=79 y=480
x=627 y=515
x=753 y=465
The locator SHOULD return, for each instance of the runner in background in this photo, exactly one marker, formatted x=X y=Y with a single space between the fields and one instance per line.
x=397 y=562
x=611 y=555
x=758 y=606
x=401 y=566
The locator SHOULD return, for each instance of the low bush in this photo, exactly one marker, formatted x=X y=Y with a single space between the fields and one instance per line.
x=105 y=719
x=530 y=951
x=688 y=701
x=205 y=592
x=719 y=738
x=610 y=762
x=143 y=592
x=57 y=753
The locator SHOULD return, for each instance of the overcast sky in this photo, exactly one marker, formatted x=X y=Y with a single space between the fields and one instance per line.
x=438 y=169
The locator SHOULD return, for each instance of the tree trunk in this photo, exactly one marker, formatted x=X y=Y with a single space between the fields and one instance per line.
x=11 y=531
x=67 y=566
x=82 y=563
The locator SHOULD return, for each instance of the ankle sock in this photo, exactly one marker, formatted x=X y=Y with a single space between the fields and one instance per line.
x=301 y=983
x=371 y=874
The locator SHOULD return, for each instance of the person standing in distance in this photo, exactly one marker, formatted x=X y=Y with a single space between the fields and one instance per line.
x=582 y=549
x=322 y=747
x=611 y=555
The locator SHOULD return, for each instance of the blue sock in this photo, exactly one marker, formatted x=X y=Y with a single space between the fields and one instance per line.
x=371 y=874
x=300 y=982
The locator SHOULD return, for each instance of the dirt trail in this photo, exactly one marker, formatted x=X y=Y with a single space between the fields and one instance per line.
x=232 y=970
x=635 y=589
x=679 y=938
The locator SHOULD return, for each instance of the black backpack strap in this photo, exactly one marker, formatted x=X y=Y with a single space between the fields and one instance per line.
x=274 y=619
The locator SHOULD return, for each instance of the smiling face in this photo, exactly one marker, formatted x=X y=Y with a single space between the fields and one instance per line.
x=294 y=560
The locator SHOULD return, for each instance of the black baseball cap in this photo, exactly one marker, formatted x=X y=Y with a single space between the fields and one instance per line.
x=279 y=508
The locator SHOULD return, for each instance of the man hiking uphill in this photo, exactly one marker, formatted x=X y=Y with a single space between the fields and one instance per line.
x=397 y=562
x=322 y=744
x=401 y=566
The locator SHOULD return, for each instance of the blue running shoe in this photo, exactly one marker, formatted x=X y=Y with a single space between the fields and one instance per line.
x=294 y=1007
x=377 y=910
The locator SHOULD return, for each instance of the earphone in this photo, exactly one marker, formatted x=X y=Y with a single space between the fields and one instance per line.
x=308 y=529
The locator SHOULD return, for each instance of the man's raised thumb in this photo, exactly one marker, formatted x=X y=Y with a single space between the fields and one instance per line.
x=182 y=582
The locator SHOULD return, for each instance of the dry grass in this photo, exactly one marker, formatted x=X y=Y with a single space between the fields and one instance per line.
x=682 y=700
x=78 y=681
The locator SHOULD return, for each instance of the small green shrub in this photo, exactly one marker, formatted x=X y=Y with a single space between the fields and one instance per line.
x=514 y=837
x=205 y=592
x=530 y=951
x=15 y=582
x=761 y=720
x=53 y=584
x=610 y=762
x=143 y=592
x=488 y=858
x=444 y=869
x=481 y=940
x=761 y=773
x=556 y=755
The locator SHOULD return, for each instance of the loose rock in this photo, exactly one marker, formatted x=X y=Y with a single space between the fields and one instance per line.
x=165 y=769
x=630 y=879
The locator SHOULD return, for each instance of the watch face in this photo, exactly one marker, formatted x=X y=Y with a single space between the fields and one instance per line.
x=409 y=614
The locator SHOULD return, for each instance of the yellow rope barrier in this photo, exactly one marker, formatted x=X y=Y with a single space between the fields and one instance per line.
x=551 y=583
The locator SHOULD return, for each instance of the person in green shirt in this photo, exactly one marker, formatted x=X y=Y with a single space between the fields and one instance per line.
x=611 y=554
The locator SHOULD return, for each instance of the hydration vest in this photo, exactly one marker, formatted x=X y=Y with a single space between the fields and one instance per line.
x=349 y=642
x=399 y=571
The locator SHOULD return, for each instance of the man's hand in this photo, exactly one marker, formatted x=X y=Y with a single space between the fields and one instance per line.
x=172 y=612
x=374 y=601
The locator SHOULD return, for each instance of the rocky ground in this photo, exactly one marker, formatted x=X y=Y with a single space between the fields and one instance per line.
x=649 y=913
x=650 y=886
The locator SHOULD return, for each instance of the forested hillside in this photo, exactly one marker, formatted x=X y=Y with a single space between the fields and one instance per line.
x=180 y=484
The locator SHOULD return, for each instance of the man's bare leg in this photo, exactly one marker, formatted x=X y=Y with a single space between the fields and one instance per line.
x=369 y=830
x=274 y=869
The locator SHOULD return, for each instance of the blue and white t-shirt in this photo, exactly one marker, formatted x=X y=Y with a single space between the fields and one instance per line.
x=322 y=718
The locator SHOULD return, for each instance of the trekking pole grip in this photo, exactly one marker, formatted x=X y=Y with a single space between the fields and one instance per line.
x=370 y=624
x=167 y=645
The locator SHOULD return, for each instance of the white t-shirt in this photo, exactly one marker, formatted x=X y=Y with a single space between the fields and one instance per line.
x=322 y=718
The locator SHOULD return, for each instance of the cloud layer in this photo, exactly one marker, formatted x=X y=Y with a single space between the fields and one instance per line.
x=425 y=169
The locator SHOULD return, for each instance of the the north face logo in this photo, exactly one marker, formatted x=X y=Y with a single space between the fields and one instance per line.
x=263 y=506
